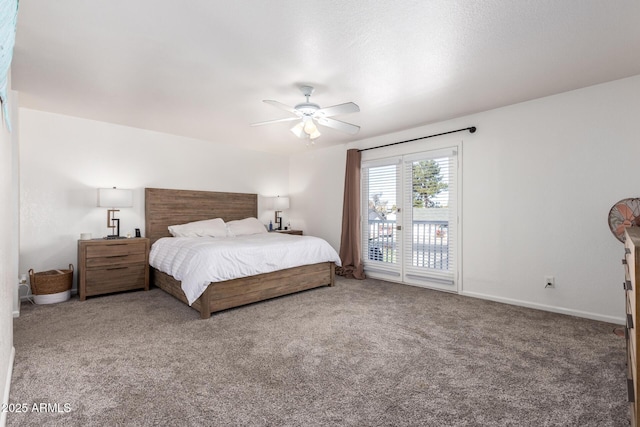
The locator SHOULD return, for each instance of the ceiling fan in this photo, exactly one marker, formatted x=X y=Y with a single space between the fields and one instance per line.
x=309 y=113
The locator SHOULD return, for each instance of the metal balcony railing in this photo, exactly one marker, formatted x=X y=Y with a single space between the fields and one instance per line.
x=429 y=249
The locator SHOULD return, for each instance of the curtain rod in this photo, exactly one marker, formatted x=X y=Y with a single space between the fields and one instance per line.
x=471 y=129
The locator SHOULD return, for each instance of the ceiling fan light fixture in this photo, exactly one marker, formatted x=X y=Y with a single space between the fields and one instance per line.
x=310 y=127
x=298 y=130
x=306 y=129
x=315 y=134
x=309 y=113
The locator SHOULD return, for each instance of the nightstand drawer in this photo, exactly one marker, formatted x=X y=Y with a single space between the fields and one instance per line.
x=114 y=279
x=117 y=260
x=115 y=250
x=106 y=266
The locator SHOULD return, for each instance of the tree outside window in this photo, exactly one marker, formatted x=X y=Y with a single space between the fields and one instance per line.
x=427 y=183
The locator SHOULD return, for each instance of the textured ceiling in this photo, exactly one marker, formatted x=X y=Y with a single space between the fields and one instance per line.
x=201 y=68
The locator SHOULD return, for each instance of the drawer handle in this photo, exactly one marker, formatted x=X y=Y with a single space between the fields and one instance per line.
x=116 y=268
x=627 y=285
x=629 y=321
x=630 y=394
x=627 y=251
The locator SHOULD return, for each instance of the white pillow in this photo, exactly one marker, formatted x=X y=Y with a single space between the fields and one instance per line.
x=242 y=227
x=209 y=227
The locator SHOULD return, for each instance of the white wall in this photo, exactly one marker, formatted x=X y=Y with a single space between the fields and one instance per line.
x=65 y=159
x=8 y=248
x=538 y=181
x=316 y=189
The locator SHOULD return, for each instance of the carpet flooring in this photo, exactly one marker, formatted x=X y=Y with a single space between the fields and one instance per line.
x=363 y=353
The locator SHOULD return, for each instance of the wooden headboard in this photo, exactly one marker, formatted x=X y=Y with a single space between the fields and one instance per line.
x=170 y=207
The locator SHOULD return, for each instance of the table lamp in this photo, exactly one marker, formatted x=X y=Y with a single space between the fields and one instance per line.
x=114 y=198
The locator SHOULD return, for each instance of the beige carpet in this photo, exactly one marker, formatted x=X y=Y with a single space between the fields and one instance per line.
x=363 y=353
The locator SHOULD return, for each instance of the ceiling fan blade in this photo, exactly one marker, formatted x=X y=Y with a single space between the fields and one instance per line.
x=288 y=119
x=282 y=106
x=337 y=124
x=346 y=108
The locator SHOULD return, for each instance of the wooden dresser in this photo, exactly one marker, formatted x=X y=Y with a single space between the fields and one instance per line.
x=106 y=266
x=631 y=264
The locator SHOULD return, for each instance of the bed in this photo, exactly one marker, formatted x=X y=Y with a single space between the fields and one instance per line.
x=165 y=207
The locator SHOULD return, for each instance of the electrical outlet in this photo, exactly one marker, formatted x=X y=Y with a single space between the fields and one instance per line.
x=549 y=282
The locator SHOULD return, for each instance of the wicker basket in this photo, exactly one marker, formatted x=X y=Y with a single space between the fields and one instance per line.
x=51 y=282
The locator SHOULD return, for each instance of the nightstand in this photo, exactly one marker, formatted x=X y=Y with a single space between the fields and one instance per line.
x=106 y=266
x=296 y=232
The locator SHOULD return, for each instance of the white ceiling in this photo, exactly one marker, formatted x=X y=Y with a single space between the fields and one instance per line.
x=201 y=68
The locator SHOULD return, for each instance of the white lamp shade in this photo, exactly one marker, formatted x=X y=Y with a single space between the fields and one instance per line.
x=306 y=129
x=309 y=127
x=280 y=203
x=115 y=198
x=298 y=130
x=315 y=134
x=276 y=203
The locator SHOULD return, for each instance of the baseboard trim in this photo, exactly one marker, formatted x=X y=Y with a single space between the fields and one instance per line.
x=521 y=303
x=545 y=307
x=7 y=387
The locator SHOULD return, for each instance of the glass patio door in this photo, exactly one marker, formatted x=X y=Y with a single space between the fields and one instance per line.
x=431 y=214
x=410 y=223
x=382 y=222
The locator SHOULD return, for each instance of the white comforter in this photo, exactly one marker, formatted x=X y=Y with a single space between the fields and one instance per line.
x=197 y=261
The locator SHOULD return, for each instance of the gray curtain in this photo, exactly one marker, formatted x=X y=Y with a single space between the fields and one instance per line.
x=350 y=241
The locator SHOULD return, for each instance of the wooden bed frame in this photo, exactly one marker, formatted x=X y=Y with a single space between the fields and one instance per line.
x=169 y=207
